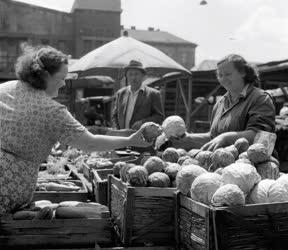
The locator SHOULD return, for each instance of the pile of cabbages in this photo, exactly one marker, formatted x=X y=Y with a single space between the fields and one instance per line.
x=156 y=171
x=235 y=175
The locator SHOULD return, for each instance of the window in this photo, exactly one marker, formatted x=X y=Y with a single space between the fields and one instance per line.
x=3 y=56
x=184 y=57
x=87 y=46
x=45 y=41
x=98 y=44
x=62 y=45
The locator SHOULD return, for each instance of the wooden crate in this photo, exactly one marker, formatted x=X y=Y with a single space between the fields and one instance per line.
x=142 y=214
x=55 y=233
x=100 y=185
x=58 y=196
x=260 y=226
x=136 y=248
x=98 y=247
x=87 y=171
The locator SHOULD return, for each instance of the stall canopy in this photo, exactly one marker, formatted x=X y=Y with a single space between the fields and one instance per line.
x=91 y=82
x=114 y=56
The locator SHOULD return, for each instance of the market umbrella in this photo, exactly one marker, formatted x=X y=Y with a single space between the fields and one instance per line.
x=90 y=82
x=112 y=57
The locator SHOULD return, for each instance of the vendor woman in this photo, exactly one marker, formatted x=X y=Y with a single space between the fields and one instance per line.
x=241 y=112
x=31 y=122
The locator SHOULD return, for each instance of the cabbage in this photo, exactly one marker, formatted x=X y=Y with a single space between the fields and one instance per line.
x=243 y=155
x=186 y=176
x=181 y=152
x=283 y=179
x=150 y=131
x=277 y=192
x=154 y=164
x=158 y=179
x=259 y=193
x=117 y=167
x=174 y=126
x=204 y=158
x=233 y=150
x=160 y=141
x=144 y=158
x=190 y=161
x=258 y=153
x=170 y=154
x=124 y=171
x=193 y=152
x=273 y=159
x=243 y=175
x=137 y=176
x=268 y=170
x=244 y=160
x=219 y=171
x=221 y=158
x=242 y=145
x=228 y=195
x=171 y=170
x=182 y=159
x=204 y=187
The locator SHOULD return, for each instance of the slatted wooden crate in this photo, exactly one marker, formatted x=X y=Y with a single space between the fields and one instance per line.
x=55 y=233
x=142 y=214
x=98 y=247
x=87 y=171
x=260 y=226
x=136 y=248
x=100 y=185
x=58 y=196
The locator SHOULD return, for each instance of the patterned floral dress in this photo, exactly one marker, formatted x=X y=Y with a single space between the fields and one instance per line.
x=30 y=124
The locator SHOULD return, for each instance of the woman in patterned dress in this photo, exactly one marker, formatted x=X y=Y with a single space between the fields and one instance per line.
x=31 y=122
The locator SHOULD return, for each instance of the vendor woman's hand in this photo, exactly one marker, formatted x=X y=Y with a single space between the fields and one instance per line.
x=217 y=142
x=137 y=140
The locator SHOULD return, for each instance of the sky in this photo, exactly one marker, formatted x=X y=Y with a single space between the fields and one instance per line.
x=255 y=29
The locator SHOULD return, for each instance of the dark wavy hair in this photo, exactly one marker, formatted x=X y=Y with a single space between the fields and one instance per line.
x=35 y=63
x=251 y=74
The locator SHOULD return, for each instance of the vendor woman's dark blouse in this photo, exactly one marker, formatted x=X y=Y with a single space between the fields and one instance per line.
x=254 y=110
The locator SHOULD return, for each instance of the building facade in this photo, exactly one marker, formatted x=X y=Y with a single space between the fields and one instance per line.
x=180 y=50
x=90 y=24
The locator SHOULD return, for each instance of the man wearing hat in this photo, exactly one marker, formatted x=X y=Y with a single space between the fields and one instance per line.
x=136 y=104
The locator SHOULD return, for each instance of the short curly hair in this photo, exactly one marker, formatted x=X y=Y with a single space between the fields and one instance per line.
x=35 y=63
x=251 y=74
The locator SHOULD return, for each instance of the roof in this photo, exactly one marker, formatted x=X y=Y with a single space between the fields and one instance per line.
x=106 y=5
x=211 y=65
x=274 y=66
x=156 y=36
x=42 y=5
x=206 y=65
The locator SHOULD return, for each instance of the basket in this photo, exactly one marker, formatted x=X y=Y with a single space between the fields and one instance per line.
x=141 y=214
x=260 y=226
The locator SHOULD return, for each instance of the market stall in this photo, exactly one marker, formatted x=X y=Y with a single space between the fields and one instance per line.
x=174 y=199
